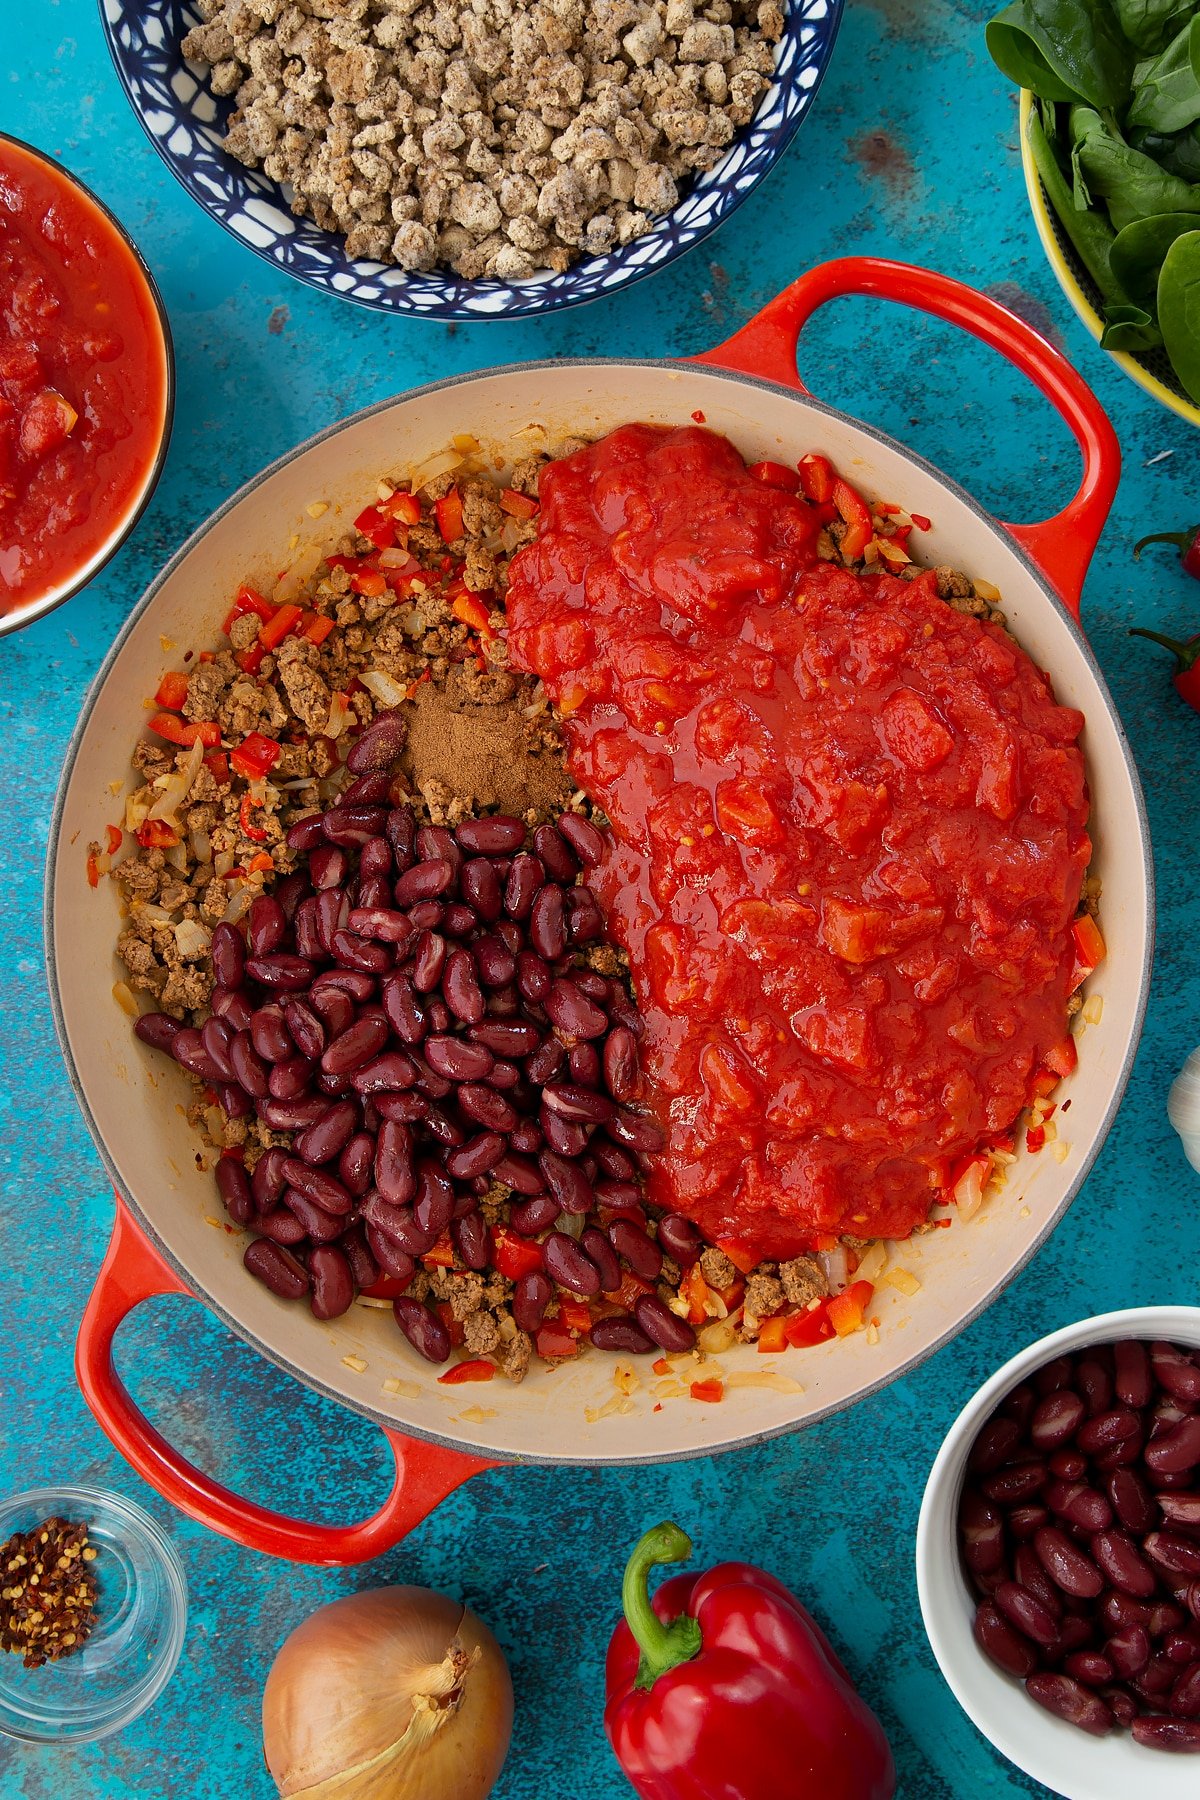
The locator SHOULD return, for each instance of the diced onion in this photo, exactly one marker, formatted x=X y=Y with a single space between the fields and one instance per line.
x=295 y=579
x=136 y=812
x=158 y=915
x=874 y=1262
x=382 y=687
x=123 y=995
x=985 y=591
x=398 y=559
x=421 y=474
x=177 y=786
x=763 y=1378
x=222 y=863
x=715 y=1338
x=176 y=856
x=201 y=847
x=465 y=442
x=510 y=532
x=192 y=939
x=240 y=902
x=340 y=715
x=836 y=1267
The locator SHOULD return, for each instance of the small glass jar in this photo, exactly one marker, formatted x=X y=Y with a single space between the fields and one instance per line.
x=141 y=1615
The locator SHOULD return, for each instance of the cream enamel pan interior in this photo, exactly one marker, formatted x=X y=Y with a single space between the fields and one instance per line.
x=129 y=1095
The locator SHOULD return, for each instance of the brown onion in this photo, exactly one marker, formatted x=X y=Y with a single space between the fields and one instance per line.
x=397 y=1693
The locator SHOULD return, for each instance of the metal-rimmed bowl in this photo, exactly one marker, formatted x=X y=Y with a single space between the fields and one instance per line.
x=1151 y=369
x=1065 y=1759
x=29 y=610
x=141 y=1617
x=186 y=125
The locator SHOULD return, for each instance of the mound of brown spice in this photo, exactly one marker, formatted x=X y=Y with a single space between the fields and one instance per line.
x=48 y=1596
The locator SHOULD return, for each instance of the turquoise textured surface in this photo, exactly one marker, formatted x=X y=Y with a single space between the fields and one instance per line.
x=911 y=151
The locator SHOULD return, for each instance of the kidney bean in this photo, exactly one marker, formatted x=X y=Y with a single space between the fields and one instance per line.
x=361 y=953
x=547 y=923
x=427 y=915
x=332 y=1282
x=1068 y=1700
x=490 y=836
x=284 y=974
x=1095 y=1384
x=355 y=1163
x=318 y=1186
x=585 y=839
x=1066 y=1565
x=502 y=1003
x=385 y=1074
x=502 y=1038
x=1128 y=1650
x=443 y=1128
x=1023 y=1521
x=328 y=1134
x=332 y=911
x=423 y=1329
x=981 y=1532
x=569 y=1008
x=997 y=1639
x=320 y=1226
x=1053 y=1375
x=375 y=858
x=546 y=1062
x=527 y=1138
x=187 y=1047
x=636 y=1132
x=233 y=1185
x=229 y=1004
x=569 y=1264
x=379 y=744
x=1068 y=1466
x=532 y=1293
x=1131 y=1374
x=1019 y=1405
x=1177 y=1450
x=534 y=1215
x=1181 y=1510
x=480 y=887
x=1079 y=1505
x=678 y=1236
x=577 y=1103
x=269 y=1033
x=215 y=1039
x=1120 y=1559
x=233 y=1101
x=1119 y=1610
x=497 y=970
x=248 y=1068
x=1172 y=1551
x=533 y=977
x=363 y=1267
x=390 y=1255
x=1165 y=1617
x=1029 y=1574
x=555 y=854
x=457 y=920
x=288 y=1079
x=460 y=987
x=400 y=830
x=433 y=1207
x=283 y=1273
x=1019 y=1481
x=434 y=841
x=395 y=1175
x=476 y=1156
x=398 y=1224
x=290 y=891
x=228 y=952
x=598 y=1246
x=291 y=1115
x=356 y=1045
x=585 y=923
x=1176 y=1371
x=305 y=1027
x=1105 y=1429
x=379 y=921
x=1184 y=1699
x=521 y=884
x=469 y=1235
x=424 y=881
x=405 y=1013
x=1056 y=1419
x=637 y=1248
x=567 y=1182
x=266 y=925
x=622 y=1335
x=662 y=1325
x=1181 y=1647
x=281 y=1226
x=583 y=1061
x=353 y=826
x=1158 y=1732
x=306 y=833
x=1188 y=1595
x=520 y=1173
x=356 y=985
x=1091 y=1667
x=267 y=1181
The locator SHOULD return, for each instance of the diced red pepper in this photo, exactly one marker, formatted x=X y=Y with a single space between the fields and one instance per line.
x=370 y=583
x=1062 y=1059
x=860 y=528
x=631 y=1290
x=442 y=1253
x=285 y=618
x=388 y=1287
x=711 y=1391
x=475 y=1369
x=772 y=1335
x=316 y=627
x=445 y=1313
x=816 y=478
x=376 y=526
x=172 y=690
x=250 y=661
x=968 y=1179
x=246 y=600
x=184 y=732
x=776 y=475
x=1035 y=1139
x=551 y=1341
x=921 y=522
x=217 y=764
x=404 y=507
x=574 y=1315
x=254 y=832
x=255 y=755
x=847 y=1310
x=258 y=865
x=1089 y=949
x=518 y=506
x=661 y=1366
x=803 y=1329
x=1044 y=1082
x=93 y=870
x=448 y=512
x=471 y=610
x=741 y=1259
x=156 y=834
x=115 y=837
x=514 y=1256
x=694 y=1290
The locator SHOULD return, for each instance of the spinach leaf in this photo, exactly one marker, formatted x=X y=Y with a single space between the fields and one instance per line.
x=1128 y=327
x=1088 y=232
x=1063 y=50
x=1133 y=184
x=1180 y=155
x=1146 y=22
x=1179 y=309
x=1166 y=94
x=1138 y=251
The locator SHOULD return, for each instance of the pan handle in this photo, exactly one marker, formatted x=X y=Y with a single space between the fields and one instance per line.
x=1062 y=547
x=133 y=1271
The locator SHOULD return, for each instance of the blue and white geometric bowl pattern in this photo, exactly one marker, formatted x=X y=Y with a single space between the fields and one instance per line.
x=186 y=124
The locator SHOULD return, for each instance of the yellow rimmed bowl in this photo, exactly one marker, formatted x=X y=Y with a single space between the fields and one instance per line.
x=1151 y=369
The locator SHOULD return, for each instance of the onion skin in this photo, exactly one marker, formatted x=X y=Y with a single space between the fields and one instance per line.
x=343 y=1713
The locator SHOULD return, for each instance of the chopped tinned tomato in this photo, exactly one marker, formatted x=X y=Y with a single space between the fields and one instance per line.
x=1063 y=1057
x=856 y=513
x=255 y=755
x=630 y=1291
x=519 y=506
x=93 y=870
x=1089 y=948
x=448 y=512
x=816 y=478
x=285 y=618
x=847 y=1311
x=156 y=834
x=172 y=690
x=811 y=1327
x=772 y=1335
x=475 y=1369
x=254 y=832
x=776 y=475
x=377 y=527
x=514 y=1256
x=185 y=732
x=552 y=1341
x=712 y=1391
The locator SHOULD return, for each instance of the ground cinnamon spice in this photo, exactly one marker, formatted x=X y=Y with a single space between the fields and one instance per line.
x=48 y=1592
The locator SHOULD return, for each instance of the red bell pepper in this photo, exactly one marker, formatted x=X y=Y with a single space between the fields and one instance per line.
x=776 y=475
x=1089 y=949
x=254 y=832
x=1186 y=652
x=816 y=478
x=402 y=506
x=156 y=834
x=172 y=690
x=518 y=506
x=725 y=1685
x=185 y=732
x=376 y=527
x=474 y=1369
x=255 y=755
x=514 y=1256
x=860 y=527
x=285 y=618
x=448 y=511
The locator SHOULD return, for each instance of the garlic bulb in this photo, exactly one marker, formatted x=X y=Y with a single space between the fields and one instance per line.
x=1183 y=1108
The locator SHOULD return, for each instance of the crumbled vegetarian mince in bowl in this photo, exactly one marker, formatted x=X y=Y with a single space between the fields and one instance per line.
x=420 y=1073
x=498 y=138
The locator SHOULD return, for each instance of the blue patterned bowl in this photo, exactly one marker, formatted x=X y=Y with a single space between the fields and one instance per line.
x=186 y=124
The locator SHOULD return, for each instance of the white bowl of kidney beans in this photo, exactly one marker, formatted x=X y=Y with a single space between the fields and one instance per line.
x=1058 y=1556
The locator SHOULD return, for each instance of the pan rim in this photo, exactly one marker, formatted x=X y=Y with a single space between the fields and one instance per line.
x=909 y=1362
